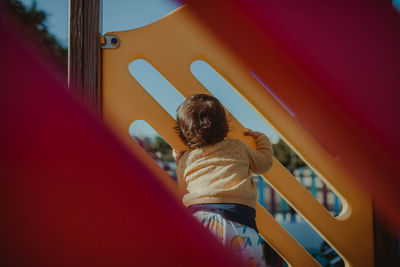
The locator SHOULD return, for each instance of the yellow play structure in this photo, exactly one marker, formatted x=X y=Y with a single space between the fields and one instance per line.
x=171 y=45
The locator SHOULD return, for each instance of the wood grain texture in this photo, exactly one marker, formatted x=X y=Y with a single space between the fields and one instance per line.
x=84 y=52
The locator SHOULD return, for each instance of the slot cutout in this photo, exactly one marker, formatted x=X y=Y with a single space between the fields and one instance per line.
x=156 y=85
x=156 y=147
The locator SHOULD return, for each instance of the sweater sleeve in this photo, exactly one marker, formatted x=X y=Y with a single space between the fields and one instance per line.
x=260 y=159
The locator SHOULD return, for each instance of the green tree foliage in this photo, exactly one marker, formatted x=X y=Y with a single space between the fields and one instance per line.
x=163 y=147
x=34 y=24
x=287 y=156
x=157 y=148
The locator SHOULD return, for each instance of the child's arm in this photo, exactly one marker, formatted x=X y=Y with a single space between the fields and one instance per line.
x=262 y=158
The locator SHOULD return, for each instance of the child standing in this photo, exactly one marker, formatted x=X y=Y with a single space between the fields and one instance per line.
x=216 y=175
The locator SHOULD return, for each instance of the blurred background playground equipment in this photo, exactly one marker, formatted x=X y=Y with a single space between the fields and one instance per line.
x=327 y=143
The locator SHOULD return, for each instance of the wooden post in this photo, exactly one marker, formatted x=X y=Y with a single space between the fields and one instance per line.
x=84 y=54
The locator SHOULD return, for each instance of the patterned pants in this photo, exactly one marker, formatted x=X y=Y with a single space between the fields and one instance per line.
x=240 y=238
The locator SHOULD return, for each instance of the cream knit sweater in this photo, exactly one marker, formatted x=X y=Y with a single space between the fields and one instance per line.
x=221 y=173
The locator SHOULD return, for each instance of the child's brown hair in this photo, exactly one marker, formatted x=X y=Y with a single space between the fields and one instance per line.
x=201 y=121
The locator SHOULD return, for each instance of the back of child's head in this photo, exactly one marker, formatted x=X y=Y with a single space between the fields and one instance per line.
x=201 y=121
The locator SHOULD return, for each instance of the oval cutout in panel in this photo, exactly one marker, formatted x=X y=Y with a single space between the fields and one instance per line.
x=156 y=85
x=157 y=148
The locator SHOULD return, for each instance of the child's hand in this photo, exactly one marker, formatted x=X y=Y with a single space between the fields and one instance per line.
x=177 y=155
x=254 y=134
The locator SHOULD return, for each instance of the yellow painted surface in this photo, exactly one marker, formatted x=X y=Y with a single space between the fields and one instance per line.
x=171 y=45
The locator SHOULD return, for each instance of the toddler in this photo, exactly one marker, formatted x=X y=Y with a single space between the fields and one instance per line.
x=216 y=175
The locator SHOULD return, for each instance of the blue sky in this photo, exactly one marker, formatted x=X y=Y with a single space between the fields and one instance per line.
x=57 y=17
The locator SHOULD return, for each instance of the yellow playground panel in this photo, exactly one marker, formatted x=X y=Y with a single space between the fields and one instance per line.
x=171 y=45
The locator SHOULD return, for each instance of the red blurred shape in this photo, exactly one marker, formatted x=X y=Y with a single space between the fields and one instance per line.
x=70 y=194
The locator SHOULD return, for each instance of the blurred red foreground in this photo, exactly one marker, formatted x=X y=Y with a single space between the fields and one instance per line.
x=341 y=63
x=70 y=194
